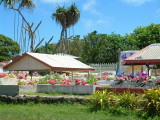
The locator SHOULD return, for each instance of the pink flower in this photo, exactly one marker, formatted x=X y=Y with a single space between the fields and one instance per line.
x=65 y=81
x=52 y=82
x=78 y=81
x=144 y=82
x=158 y=81
x=21 y=76
x=86 y=75
x=105 y=77
x=30 y=83
x=84 y=83
x=99 y=77
x=3 y=75
x=95 y=83
x=120 y=79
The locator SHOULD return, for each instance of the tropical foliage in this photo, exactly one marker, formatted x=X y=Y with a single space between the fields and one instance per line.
x=8 y=48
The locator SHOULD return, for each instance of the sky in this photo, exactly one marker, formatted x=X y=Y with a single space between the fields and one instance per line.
x=104 y=16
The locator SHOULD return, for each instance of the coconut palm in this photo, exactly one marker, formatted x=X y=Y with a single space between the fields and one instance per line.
x=66 y=17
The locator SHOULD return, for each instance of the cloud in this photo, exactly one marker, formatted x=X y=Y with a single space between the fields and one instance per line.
x=90 y=6
x=90 y=23
x=137 y=2
x=56 y=1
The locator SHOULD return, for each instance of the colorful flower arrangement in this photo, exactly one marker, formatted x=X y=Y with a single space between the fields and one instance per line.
x=144 y=83
x=158 y=81
x=65 y=81
x=80 y=82
x=21 y=76
x=121 y=78
x=2 y=75
x=52 y=82
x=95 y=83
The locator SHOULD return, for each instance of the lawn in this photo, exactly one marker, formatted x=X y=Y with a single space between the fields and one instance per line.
x=61 y=111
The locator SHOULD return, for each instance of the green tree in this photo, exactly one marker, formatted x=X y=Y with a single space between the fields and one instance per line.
x=144 y=36
x=42 y=49
x=75 y=46
x=8 y=48
x=103 y=48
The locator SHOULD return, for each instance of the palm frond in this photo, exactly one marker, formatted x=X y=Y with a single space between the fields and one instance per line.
x=66 y=17
x=27 y=3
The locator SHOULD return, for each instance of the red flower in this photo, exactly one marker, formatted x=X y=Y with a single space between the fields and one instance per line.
x=105 y=77
x=30 y=83
x=3 y=75
x=52 y=82
x=95 y=83
x=84 y=83
x=66 y=82
x=78 y=82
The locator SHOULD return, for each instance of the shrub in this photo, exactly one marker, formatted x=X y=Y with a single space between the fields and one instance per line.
x=91 y=79
x=102 y=100
x=152 y=106
x=128 y=100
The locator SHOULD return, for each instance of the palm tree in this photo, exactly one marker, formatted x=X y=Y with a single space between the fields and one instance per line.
x=18 y=5
x=66 y=17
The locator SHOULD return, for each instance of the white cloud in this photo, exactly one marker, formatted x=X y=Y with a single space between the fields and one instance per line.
x=90 y=23
x=56 y=1
x=137 y=2
x=90 y=6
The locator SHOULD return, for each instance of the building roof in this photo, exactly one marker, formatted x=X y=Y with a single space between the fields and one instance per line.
x=63 y=54
x=3 y=63
x=45 y=62
x=148 y=55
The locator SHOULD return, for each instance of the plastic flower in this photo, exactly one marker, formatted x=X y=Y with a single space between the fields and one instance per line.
x=65 y=81
x=99 y=77
x=105 y=77
x=158 y=81
x=30 y=83
x=78 y=81
x=144 y=82
x=121 y=79
x=84 y=83
x=21 y=76
x=52 y=82
x=2 y=75
x=95 y=83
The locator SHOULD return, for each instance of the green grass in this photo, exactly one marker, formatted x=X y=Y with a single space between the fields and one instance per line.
x=63 y=111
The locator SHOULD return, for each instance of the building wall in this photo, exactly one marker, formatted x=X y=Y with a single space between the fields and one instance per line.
x=27 y=63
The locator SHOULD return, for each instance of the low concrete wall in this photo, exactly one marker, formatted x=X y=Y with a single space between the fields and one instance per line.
x=27 y=88
x=12 y=90
x=9 y=90
x=8 y=81
x=67 y=89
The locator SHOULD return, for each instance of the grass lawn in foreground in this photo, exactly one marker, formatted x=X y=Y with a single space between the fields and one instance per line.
x=61 y=111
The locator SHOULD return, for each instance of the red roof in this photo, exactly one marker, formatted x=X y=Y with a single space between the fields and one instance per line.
x=3 y=63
